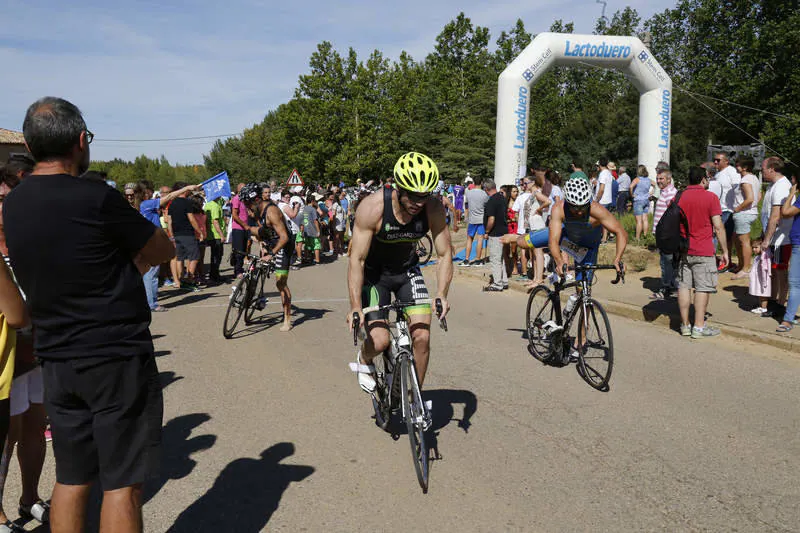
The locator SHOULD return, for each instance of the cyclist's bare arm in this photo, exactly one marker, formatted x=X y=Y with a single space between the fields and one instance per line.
x=368 y=219
x=613 y=225
x=441 y=241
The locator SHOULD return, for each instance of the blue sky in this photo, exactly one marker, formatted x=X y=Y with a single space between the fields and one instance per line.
x=144 y=69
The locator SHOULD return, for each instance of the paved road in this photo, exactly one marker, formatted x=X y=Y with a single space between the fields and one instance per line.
x=269 y=431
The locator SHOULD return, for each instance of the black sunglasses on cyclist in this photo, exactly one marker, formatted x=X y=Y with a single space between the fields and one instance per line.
x=418 y=198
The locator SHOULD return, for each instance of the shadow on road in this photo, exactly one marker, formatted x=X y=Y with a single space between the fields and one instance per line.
x=306 y=314
x=167 y=378
x=444 y=402
x=191 y=298
x=245 y=494
x=523 y=331
x=177 y=447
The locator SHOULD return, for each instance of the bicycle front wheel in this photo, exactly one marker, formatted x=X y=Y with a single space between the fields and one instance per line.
x=424 y=249
x=235 y=308
x=414 y=413
x=540 y=310
x=256 y=292
x=595 y=345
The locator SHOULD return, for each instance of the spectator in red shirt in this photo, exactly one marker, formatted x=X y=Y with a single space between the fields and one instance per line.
x=698 y=268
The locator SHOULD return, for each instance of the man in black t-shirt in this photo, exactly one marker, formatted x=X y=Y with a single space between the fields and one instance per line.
x=494 y=219
x=184 y=228
x=91 y=317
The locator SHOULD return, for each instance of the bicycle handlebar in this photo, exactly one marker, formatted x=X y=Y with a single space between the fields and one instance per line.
x=589 y=268
x=398 y=306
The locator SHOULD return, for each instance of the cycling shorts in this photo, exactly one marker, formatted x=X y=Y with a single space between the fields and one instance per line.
x=406 y=286
x=584 y=252
x=283 y=259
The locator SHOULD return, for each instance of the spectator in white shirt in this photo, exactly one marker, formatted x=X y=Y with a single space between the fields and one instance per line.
x=776 y=229
x=745 y=213
x=603 y=195
x=729 y=181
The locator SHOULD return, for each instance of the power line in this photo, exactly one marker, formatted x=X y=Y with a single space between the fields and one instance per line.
x=759 y=141
x=781 y=115
x=170 y=139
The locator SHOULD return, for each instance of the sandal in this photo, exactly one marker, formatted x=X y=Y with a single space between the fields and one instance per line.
x=11 y=527
x=39 y=511
x=366 y=374
x=784 y=328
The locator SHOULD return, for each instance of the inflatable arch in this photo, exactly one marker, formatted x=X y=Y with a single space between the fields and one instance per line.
x=626 y=54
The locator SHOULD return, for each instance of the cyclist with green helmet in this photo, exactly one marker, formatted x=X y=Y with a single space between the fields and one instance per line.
x=383 y=260
x=576 y=226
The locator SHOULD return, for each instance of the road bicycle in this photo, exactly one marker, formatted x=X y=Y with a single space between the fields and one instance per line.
x=424 y=249
x=397 y=386
x=551 y=338
x=247 y=295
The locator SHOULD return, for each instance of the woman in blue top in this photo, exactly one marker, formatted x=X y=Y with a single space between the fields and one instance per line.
x=791 y=208
x=640 y=188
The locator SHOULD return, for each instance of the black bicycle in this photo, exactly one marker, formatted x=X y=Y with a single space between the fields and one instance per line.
x=424 y=249
x=397 y=386
x=247 y=295
x=551 y=338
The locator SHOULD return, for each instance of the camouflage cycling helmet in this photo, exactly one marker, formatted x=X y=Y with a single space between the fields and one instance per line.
x=250 y=192
x=416 y=172
x=577 y=191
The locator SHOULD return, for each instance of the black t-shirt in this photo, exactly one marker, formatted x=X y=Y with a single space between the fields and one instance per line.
x=71 y=241
x=496 y=207
x=179 y=210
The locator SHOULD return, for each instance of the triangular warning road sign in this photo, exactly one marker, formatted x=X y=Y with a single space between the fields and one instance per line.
x=295 y=179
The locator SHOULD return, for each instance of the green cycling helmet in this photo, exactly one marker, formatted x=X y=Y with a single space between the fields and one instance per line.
x=416 y=172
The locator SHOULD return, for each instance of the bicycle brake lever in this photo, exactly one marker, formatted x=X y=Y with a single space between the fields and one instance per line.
x=356 y=325
x=439 y=310
x=620 y=274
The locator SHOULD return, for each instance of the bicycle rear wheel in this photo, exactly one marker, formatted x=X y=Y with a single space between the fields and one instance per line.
x=540 y=310
x=596 y=346
x=257 y=291
x=424 y=249
x=414 y=412
x=235 y=308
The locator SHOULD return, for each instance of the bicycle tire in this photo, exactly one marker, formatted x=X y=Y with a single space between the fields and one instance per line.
x=381 y=398
x=255 y=283
x=540 y=309
x=234 y=302
x=424 y=249
x=595 y=356
x=413 y=409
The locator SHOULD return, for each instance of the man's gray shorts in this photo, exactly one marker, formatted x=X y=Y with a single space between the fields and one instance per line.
x=186 y=248
x=699 y=273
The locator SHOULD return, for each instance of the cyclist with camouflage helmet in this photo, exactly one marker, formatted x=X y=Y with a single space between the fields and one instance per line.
x=576 y=225
x=383 y=260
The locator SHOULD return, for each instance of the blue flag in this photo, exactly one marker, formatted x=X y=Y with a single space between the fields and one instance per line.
x=217 y=186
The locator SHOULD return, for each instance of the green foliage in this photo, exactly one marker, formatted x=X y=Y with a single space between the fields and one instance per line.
x=159 y=171
x=352 y=117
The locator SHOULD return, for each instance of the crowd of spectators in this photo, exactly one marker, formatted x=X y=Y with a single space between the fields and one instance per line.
x=721 y=204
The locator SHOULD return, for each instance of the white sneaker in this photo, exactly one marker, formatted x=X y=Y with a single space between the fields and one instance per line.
x=366 y=374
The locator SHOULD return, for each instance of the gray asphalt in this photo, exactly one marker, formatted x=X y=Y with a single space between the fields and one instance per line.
x=269 y=430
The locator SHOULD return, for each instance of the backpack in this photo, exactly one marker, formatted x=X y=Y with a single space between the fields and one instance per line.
x=668 y=231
